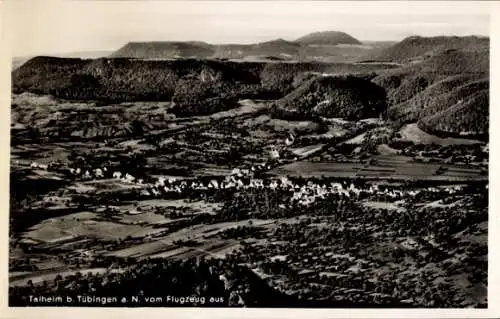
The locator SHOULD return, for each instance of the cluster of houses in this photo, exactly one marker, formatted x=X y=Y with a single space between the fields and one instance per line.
x=100 y=173
x=97 y=173
x=243 y=179
x=250 y=172
x=36 y=165
x=301 y=194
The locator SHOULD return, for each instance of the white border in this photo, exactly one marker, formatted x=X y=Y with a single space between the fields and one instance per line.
x=494 y=265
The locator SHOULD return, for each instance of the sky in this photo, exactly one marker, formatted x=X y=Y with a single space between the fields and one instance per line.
x=55 y=26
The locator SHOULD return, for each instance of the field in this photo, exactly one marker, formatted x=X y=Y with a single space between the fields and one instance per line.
x=384 y=205
x=69 y=228
x=356 y=140
x=412 y=133
x=34 y=278
x=307 y=150
x=165 y=247
x=386 y=167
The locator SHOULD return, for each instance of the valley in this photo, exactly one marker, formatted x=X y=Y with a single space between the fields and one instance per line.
x=313 y=183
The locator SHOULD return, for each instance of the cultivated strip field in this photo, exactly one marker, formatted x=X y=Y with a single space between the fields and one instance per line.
x=165 y=247
x=307 y=150
x=384 y=167
x=37 y=278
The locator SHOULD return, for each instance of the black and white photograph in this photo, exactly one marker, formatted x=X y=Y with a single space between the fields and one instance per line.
x=238 y=154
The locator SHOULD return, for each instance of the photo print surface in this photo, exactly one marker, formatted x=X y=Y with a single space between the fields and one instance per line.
x=249 y=154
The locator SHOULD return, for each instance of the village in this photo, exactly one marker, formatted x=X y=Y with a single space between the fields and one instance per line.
x=267 y=223
x=335 y=213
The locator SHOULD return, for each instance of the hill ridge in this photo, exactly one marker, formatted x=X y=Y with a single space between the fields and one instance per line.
x=417 y=48
x=329 y=37
x=279 y=47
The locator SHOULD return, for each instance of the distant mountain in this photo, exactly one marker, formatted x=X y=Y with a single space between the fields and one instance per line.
x=164 y=50
x=327 y=38
x=84 y=54
x=275 y=49
x=274 y=46
x=458 y=61
x=330 y=46
x=416 y=48
x=18 y=61
x=168 y=50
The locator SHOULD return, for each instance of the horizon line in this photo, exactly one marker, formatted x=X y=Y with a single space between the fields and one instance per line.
x=235 y=43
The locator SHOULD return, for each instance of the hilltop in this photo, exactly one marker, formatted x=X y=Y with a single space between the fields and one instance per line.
x=164 y=50
x=20 y=60
x=417 y=48
x=454 y=61
x=327 y=38
x=327 y=45
x=278 y=49
x=348 y=97
x=170 y=50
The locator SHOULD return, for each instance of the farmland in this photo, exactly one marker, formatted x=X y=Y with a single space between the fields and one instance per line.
x=395 y=168
x=172 y=202
x=264 y=183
